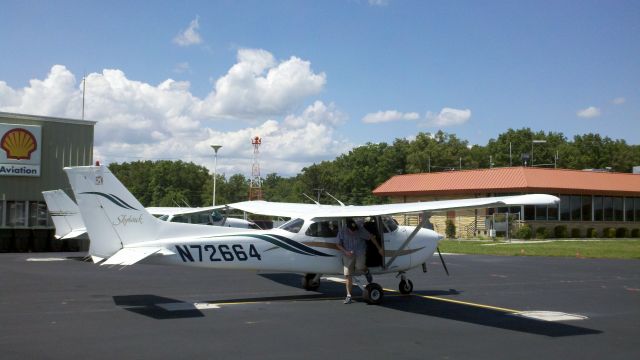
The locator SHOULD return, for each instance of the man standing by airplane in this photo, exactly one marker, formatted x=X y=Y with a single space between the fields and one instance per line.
x=352 y=241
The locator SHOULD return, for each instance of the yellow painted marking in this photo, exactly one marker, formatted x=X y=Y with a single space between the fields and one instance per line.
x=459 y=302
x=469 y=304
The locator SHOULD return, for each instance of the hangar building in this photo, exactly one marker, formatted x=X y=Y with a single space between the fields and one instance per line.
x=588 y=199
x=33 y=151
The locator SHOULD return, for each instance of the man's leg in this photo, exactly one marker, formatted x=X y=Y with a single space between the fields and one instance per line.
x=361 y=265
x=349 y=268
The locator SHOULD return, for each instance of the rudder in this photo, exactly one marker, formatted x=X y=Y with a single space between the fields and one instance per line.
x=112 y=216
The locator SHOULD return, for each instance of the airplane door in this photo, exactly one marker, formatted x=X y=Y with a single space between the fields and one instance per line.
x=381 y=238
x=374 y=227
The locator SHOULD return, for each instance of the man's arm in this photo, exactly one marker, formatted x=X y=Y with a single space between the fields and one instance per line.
x=339 y=244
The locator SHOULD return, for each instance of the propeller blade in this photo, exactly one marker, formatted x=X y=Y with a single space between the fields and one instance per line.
x=443 y=263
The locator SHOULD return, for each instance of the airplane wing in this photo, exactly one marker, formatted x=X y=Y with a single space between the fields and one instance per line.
x=158 y=211
x=313 y=211
x=131 y=255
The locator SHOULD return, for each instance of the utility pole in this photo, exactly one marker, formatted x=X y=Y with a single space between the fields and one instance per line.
x=215 y=165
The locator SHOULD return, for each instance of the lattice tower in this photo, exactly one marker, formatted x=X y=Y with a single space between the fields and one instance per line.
x=255 y=186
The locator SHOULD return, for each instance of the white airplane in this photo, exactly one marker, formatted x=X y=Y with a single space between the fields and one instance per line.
x=69 y=225
x=123 y=233
x=209 y=215
x=65 y=215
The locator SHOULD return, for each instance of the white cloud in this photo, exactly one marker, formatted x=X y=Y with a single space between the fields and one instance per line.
x=589 y=112
x=182 y=67
x=259 y=85
x=448 y=117
x=190 y=35
x=378 y=2
x=388 y=116
x=619 y=101
x=137 y=120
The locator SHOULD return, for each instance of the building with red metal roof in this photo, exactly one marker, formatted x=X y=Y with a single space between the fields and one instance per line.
x=588 y=199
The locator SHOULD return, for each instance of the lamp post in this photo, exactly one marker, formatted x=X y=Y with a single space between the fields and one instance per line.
x=215 y=164
x=535 y=142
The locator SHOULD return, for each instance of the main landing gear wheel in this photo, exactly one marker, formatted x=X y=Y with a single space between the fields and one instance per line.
x=405 y=287
x=373 y=294
x=310 y=283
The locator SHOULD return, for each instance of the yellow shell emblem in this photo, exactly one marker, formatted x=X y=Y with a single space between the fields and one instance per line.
x=18 y=144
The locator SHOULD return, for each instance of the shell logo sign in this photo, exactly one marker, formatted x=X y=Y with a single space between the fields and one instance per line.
x=18 y=144
x=20 y=150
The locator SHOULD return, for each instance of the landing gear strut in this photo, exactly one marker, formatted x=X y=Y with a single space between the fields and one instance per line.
x=311 y=282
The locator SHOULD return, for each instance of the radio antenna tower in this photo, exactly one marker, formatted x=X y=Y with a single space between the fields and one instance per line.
x=255 y=186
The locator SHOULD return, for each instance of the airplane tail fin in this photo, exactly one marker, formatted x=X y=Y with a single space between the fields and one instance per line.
x=64 y=213
x=113 y=217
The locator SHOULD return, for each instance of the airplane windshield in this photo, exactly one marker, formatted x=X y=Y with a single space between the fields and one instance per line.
x=293 y=226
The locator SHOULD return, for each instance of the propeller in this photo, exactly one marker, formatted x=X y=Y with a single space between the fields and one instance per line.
x=443 y=263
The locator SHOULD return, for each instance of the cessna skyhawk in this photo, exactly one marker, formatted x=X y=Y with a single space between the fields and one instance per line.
x=69 y=225
x=123 y=233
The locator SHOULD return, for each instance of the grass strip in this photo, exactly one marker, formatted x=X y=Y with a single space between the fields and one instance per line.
x=594 y=249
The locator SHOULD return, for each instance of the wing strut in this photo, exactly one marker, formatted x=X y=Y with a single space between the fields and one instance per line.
x=425 y=217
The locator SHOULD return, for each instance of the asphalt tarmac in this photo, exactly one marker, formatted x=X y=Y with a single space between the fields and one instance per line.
x=54 y=306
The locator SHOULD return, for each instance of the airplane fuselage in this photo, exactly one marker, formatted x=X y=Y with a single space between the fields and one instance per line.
x=281 y=250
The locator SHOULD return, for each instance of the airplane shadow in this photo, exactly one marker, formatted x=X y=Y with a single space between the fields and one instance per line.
x=452 y=311
x=150 y=305
x=482 y=316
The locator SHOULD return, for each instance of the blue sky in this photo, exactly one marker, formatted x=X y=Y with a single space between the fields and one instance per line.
x=363 y=71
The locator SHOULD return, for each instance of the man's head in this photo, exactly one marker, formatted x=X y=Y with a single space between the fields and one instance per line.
x=351 y=224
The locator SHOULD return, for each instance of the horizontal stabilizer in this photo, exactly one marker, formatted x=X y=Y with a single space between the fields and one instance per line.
x=75 y=233
x=130 y=256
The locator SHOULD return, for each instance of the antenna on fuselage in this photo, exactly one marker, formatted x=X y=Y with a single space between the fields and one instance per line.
x=310 y=198
x=334 y=198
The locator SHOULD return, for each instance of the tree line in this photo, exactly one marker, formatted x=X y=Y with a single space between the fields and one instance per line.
x=352 y=176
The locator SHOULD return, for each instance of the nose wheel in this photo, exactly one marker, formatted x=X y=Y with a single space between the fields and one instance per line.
x=405 y=286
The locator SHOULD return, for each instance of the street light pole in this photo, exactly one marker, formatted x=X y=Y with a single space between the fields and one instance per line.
x=535 y=142
x=215 y=164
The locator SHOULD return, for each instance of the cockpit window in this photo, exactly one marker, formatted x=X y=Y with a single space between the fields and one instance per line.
x=216 y=216
x=293 y=225
x=325 y=229
x=390 y=225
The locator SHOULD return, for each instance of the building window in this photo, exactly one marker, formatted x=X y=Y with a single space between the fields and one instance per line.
x=636 y=202
x=586 y=208
x=552 y=212
x=37 y=214
x=565 y=207
x=607 y=206
x=598 y=214
x=541 y=212
x=15 y=213
x=529 y=212
x=576 y=208
x=1 y=212
x=618 y=210
x=628 y=209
